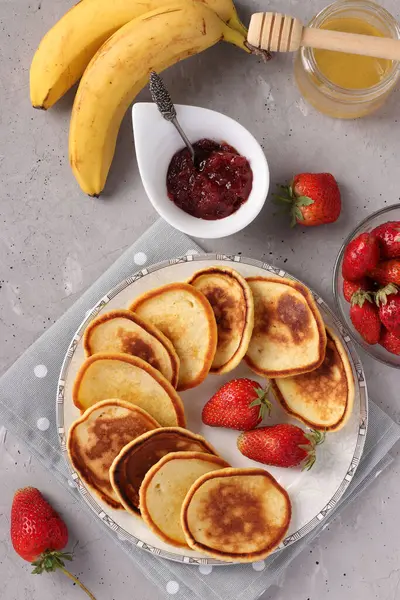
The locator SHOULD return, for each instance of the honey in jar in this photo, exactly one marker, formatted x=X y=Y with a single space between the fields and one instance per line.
x=347 y=85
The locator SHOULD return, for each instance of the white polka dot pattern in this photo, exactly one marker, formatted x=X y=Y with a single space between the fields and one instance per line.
x=40 y=371
x=172 y=587
x=259 y=566
x=205 y=569
x=140 y=258
x=43 y=424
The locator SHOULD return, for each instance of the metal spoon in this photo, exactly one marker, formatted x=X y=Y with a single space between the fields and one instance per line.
x=162 y=99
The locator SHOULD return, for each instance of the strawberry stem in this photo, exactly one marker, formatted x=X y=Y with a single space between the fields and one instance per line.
x=76 y=580
x=51 y=560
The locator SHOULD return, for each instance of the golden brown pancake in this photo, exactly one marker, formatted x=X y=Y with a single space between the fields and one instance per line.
x=96 y=438
x=135 y=460
x=164 y=489
x=124 y=331
x=238 y=515
x=289 y=335
x=322 y=399
x=131 y=379
x=232 y=302
x=185 y=317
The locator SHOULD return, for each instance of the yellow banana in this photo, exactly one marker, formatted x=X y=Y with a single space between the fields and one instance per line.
x=65 y=51
x=120 y=70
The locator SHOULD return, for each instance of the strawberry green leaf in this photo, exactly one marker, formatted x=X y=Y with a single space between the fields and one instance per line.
x=360 y=296
x=310 y=461
x=297 y=215
x=51 y=560
x=315 y=438
x=262 y=401
x=304 y=201
x=382 y=294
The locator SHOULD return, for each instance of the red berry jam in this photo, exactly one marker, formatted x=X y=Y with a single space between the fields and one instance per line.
x=219 y=185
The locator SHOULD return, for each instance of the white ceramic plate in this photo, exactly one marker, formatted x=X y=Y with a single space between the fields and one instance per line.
x=313 y=493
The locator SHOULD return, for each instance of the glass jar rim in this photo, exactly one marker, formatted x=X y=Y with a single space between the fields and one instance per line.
x=310 y=64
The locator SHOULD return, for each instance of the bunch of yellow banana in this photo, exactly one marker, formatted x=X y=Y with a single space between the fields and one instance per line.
x=113 y=45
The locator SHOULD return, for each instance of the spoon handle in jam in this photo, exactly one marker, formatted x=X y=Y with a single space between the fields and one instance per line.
x=162 y=99
x=275 y=32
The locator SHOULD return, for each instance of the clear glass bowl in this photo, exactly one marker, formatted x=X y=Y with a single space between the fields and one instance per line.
x=391 y=213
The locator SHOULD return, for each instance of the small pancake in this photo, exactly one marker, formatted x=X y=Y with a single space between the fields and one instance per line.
x=322 y=399
x=238 y=515
x=134 y=461
x=131 y=379
x=186 y=318
x=164 y=489
x=124 y=331
x=96 y=438
x=289 y=335
x=232 y=302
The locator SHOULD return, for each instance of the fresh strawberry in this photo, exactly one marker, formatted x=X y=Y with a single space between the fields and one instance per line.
x=387 y=271
x=361 y=255
x=283 y=445
x=388 y=235
x=312 y=198
x=365 y=317
x=38 y=534
x=388 y=301
x=350 y=287
x=239 y=404
x=390 y=342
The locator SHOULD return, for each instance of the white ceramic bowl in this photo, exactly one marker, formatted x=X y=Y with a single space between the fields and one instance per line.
x=156 y=142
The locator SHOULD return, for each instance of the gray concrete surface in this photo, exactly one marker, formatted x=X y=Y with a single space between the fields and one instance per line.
x=54 y=242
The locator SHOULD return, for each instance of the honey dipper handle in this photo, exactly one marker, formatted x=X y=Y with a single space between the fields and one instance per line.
x=366 y=45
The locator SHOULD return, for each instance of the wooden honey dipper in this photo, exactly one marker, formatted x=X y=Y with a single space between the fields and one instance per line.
x=275 y=32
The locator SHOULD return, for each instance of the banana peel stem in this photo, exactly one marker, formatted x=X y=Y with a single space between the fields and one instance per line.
x=232 y=36
x=236 y=24
x=238 y=38
x=263 y=54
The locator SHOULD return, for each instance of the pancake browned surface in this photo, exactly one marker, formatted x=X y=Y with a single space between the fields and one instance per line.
x=164 y=489
x=134 y=461
x=124 y=331
x=238 y=515
x=185 y=317
x=96 y=438
x=232 y=302
x=289 y=335
x=131 y=379
x=323 y=398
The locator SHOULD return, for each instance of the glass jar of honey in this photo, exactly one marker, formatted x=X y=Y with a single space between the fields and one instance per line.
x=348 y=86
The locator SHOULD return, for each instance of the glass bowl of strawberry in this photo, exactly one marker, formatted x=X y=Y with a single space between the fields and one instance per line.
x=366 y=285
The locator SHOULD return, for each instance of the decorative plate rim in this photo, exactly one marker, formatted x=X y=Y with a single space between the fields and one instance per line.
x=121 y=533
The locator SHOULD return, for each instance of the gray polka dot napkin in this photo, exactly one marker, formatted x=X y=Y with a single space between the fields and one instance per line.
x=28 y=408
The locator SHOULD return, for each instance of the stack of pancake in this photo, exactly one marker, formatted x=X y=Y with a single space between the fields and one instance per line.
x=130 y=445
